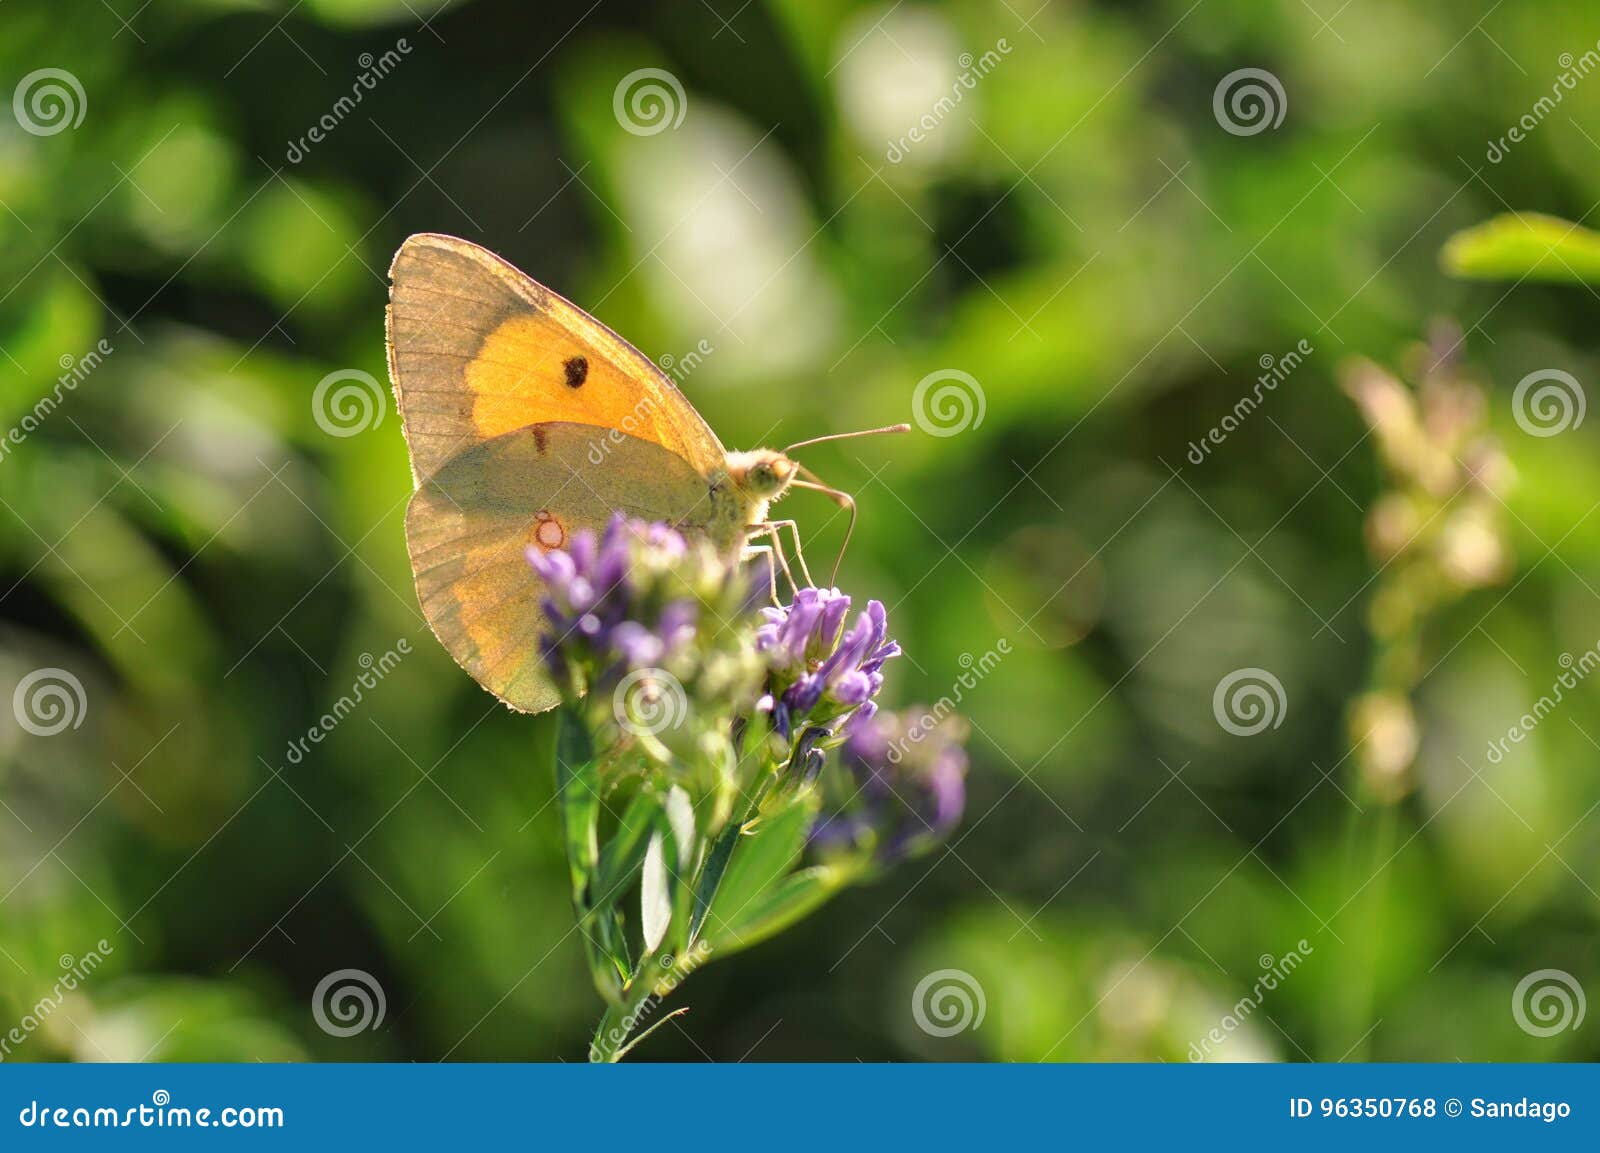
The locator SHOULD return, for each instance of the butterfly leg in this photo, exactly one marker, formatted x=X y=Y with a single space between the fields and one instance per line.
x=774 y=553
x=839 y=497
x=753 y=550
x=775 y=527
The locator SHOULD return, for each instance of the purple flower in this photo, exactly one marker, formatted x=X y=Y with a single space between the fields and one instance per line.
x=620 y=599
x=820 y=671
x=905 y=789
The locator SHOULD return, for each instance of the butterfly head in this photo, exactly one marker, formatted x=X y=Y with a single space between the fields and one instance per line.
x=764 y=473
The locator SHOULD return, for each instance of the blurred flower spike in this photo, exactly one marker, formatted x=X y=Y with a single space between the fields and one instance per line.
x=1436 y=532
x=723 y=768
x=903 y=786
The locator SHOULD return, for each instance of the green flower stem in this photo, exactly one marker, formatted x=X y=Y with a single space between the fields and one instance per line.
x=658 y=975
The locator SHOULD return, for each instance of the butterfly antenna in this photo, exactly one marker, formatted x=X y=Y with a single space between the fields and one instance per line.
x=847 y=436
x=844 y=500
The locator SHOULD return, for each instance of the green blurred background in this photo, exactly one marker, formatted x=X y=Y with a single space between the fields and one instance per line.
x=1079 y=234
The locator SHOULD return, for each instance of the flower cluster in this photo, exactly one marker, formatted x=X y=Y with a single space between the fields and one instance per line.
x=903 y=787
x=637 y=608
x=820 y=672
x=704 y=744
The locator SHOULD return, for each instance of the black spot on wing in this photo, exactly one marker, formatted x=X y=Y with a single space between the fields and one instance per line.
x=577 y=369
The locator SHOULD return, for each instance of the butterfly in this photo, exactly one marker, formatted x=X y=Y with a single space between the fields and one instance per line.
x=528 y=420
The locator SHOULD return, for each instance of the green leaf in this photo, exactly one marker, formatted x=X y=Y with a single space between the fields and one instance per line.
x=680 y=816
x=685 y=840
x=577 y=783
x=655 y=894
x=578 y=786
x=759 y=859
x=797 y=897
x=623 y=852
x=1524 y=245
x=711 y=877
x=611 y=937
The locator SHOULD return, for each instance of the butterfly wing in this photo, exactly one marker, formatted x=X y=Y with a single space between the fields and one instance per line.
x=527 y=419
x=469 y=526
x=477 y=349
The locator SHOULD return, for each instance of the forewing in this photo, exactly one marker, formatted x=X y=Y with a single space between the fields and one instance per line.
x=478 y=349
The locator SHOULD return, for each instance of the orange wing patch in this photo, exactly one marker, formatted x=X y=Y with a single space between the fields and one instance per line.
x=477 y=349
x=530 y=366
